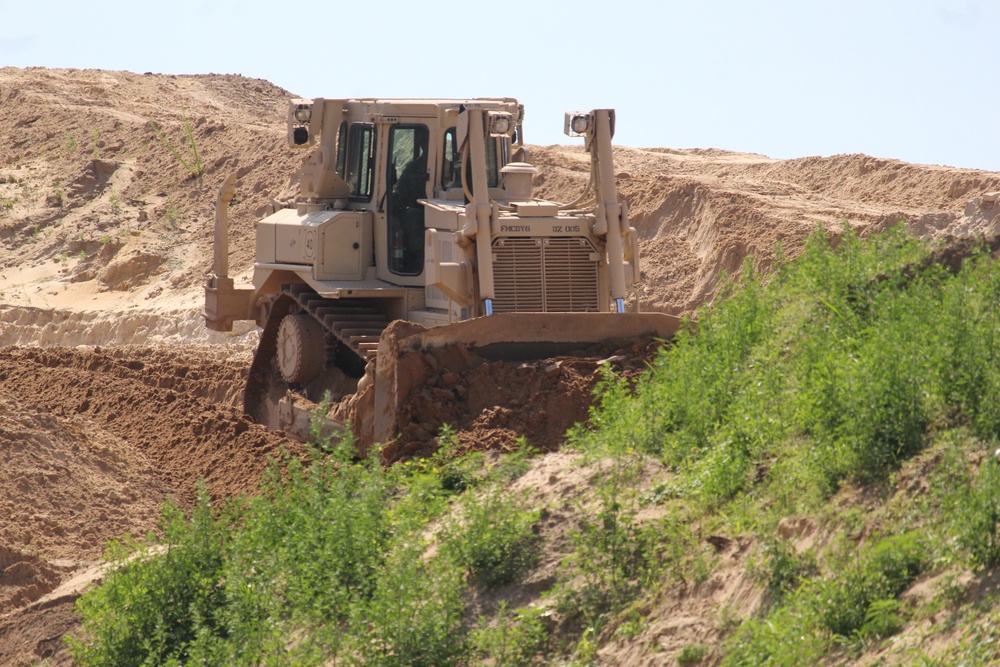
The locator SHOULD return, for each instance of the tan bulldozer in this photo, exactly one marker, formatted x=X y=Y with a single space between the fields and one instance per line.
x=422 y=211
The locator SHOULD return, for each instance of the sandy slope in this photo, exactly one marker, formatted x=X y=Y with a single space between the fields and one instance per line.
x=105 y=239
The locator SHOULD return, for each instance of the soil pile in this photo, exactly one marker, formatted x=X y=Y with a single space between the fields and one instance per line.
x=105 y=239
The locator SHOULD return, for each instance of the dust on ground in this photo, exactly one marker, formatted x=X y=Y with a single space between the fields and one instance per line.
x=116 y=397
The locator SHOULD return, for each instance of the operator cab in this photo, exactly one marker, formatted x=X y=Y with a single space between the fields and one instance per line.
x=421 y=159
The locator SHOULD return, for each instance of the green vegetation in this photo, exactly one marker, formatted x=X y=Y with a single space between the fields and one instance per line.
x=844 y=365
x=330 y=552
x=836 y=370
x=58 y=192
x=512 y=640
x=692 y=654
x=189 y=159
x=855 y=389
x=68 y=144
x=171 y=216
x=491 y=536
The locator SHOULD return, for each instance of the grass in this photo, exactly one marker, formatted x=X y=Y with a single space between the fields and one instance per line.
x=171 y=216
x=855 y=388
x=189 y=157
x=68 y=144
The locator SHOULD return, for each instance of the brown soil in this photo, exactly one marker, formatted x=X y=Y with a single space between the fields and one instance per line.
x=491 y=404
x=105 y=239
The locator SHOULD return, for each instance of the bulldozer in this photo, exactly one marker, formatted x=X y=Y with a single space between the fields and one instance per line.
x=415 y=227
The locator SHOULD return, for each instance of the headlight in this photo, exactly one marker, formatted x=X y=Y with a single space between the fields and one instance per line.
x=303 y=113
x=577 y=124
x=501 y=124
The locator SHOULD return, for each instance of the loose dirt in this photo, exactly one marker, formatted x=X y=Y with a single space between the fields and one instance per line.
x=113 y=395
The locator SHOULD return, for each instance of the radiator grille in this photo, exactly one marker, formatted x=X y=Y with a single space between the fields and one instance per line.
x=556 y=275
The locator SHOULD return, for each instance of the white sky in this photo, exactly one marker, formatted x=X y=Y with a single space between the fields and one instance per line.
x=910 y=79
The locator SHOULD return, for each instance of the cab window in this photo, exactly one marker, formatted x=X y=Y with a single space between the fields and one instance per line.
x=342 y=151
x=361 y=160
x=451 y=166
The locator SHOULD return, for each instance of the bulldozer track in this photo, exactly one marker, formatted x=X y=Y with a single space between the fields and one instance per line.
x=357 y=323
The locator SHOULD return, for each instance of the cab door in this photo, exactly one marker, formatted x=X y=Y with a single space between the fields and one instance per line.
x=407 y=182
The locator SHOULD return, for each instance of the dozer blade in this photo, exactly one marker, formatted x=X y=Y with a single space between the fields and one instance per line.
x=504 y=336
x=524 y=336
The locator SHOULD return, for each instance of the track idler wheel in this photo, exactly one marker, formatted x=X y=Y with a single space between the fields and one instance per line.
x=301 y=348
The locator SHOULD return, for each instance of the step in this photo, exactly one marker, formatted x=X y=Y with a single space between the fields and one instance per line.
x=327 y=309
x=344 y=329
x=356 y=341
x=346 y=334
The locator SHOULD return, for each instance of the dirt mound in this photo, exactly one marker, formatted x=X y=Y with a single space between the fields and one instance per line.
x=148 y=401
x=95 y=442
x=70 y=486
x=34 y=634
x=24 y=578
x=102 y=190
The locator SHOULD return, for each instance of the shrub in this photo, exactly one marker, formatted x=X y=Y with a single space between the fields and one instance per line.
x=978 y=516
x=779 y=567
x=849 y=601
x=858 y=601
x=492 y=536
x=511 y=640
x=613 y=553
x=414 y=617
x=969 y=345
x=233 y=586
x=692 y=654
x=158 y=601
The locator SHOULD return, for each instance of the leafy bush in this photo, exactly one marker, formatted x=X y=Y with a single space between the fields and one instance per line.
x=837 y=368
x=491 y=536
x=857 y=601
x=414 y=617
x=885 y=570
x=969 y=345
x=158 y=601
x=978 y=516
x=328 y=561
x=779 y=567
x=692 y=654
x=789 y=636
x=614 y=554
x=511 y=640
